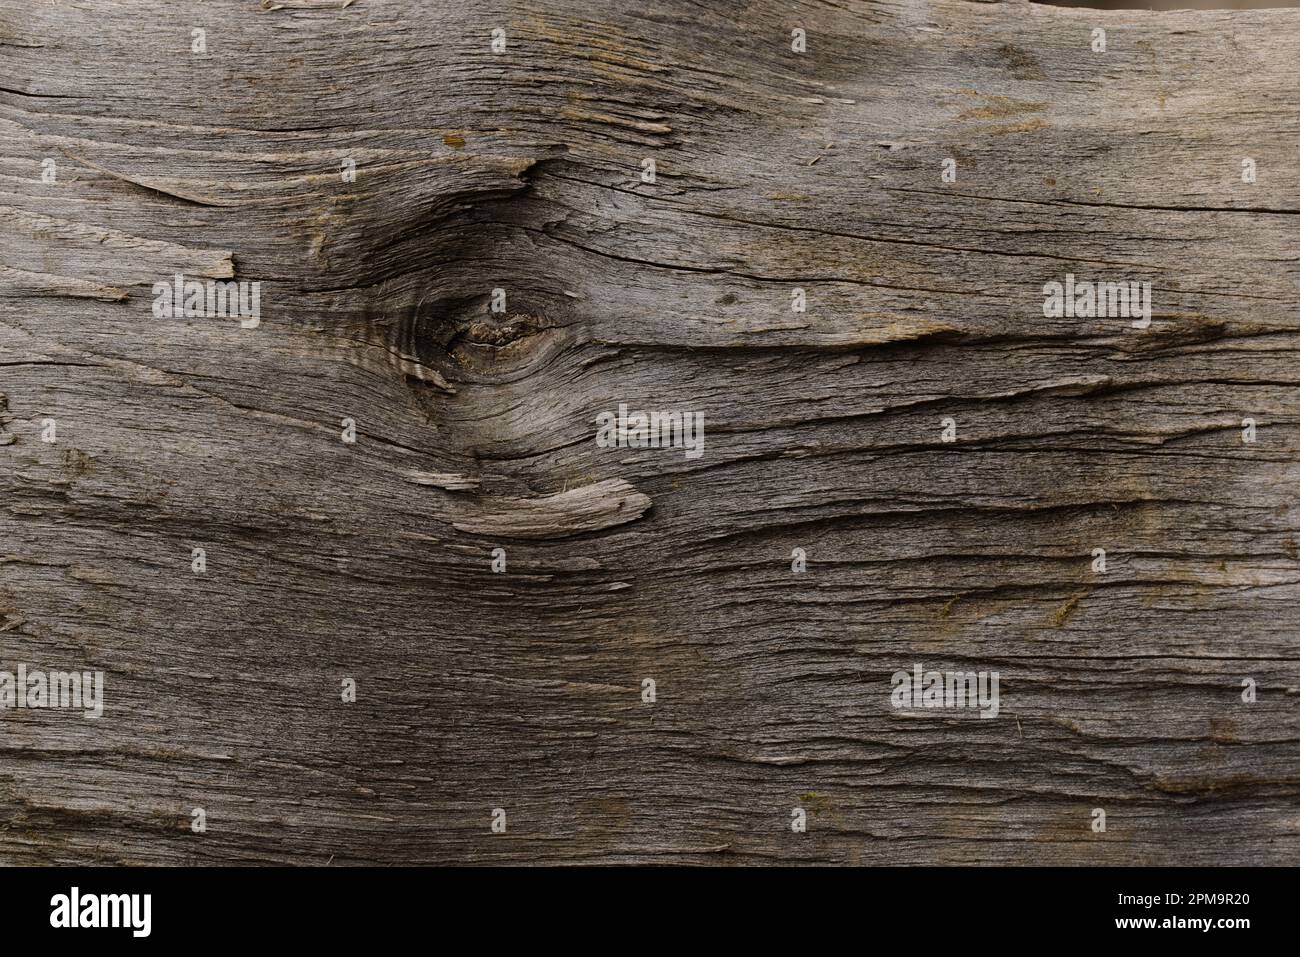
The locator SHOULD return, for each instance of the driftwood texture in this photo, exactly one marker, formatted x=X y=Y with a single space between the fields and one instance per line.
x=522 y=690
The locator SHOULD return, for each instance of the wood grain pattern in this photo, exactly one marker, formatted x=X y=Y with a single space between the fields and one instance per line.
x=776 y=170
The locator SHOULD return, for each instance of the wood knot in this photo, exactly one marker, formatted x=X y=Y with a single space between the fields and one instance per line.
x=440 y=341
x=497 y=331
x=494 y=342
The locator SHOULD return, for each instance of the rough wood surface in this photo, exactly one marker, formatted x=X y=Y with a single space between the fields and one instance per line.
x=522 y=690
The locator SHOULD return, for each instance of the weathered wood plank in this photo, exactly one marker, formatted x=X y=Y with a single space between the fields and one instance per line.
x=775 y=171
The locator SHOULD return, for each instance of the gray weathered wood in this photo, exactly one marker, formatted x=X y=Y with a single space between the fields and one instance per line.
x=776 y=170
